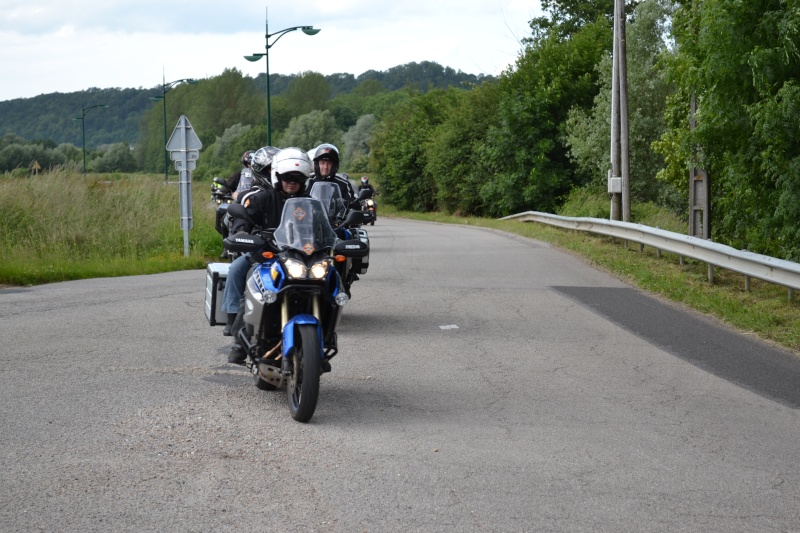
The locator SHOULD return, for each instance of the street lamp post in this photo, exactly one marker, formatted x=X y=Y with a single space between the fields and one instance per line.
x=164 y=88
x=308 y=30
x=82 y=118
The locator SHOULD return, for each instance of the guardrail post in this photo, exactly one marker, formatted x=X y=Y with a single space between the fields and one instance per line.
x=710 y=273
x=747 y=284
x=791 y=294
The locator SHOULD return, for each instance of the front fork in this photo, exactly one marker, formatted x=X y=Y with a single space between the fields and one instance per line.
x=289 y=329
x=287 y=344
x=314 y=310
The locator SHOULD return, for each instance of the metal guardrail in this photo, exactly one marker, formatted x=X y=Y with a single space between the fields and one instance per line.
x=778 y=271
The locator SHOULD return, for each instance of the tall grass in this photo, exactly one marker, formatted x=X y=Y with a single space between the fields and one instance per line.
x=64 y=225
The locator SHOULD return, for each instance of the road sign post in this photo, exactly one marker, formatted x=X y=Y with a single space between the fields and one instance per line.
x=184 y=148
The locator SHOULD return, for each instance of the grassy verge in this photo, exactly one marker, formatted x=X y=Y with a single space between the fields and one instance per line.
x=63 y=226
x=764 y=311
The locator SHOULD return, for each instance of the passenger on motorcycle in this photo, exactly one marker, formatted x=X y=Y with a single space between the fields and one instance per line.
x=262 y=180
x=326 y=165
x=291 y=169
x=234 y=181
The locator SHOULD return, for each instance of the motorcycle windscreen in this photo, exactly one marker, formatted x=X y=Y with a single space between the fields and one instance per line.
x=331 y=197
x=304 y=226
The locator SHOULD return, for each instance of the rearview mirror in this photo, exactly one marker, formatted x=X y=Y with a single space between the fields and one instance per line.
x=238 y=211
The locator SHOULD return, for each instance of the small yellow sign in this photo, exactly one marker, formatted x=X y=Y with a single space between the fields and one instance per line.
x=35 y=167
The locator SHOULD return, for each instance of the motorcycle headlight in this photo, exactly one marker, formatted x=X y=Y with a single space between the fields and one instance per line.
x=319 y=269
x=295 y=269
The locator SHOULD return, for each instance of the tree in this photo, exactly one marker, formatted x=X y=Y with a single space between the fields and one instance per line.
x=369 y=87
x=356 y=144
x=566 y=17
x=310 y=130
x=398 y=149
x=308 y=92
x=587 y=132
x=118 y=158
x=526 y=152
x=741 y=62
x=454 y=154
x=212 y=106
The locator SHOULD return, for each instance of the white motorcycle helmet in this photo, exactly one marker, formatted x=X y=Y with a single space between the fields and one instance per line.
x=292 y=164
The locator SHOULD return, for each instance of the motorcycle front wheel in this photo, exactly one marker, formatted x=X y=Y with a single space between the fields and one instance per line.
x=303 y=387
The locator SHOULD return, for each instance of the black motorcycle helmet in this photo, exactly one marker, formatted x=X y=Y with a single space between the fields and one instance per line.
x=328 y=152
x=262 y=166
x=247 y=158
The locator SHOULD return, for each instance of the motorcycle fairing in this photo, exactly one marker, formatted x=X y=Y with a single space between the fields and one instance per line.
x=264 y=272
x=289 y=330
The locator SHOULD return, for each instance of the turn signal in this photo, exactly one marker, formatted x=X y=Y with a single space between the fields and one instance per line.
x=267 y=255
x=339 y=258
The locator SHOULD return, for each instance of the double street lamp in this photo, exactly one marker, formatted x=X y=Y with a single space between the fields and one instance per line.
x=82 y=118
x=164 y=88
x=308 y=30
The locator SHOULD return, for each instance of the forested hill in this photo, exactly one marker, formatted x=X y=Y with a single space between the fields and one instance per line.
x=52 y=116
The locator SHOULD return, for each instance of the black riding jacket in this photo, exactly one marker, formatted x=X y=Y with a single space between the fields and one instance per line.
x=265 y=206
x=344 y=186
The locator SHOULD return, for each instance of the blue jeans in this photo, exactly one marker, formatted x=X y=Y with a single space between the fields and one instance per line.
x=234 y=285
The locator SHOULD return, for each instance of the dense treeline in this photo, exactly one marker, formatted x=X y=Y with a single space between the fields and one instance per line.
x=50 y=116
x=543 y=130
x=228 y=111
x=539 y=134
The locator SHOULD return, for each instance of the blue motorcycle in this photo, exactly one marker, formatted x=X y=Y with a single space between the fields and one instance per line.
x=293 y=299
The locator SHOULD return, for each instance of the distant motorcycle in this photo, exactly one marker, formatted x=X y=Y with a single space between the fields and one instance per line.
x=370 y=206
x=222 y=197
x=330 y=195
x=293 y=299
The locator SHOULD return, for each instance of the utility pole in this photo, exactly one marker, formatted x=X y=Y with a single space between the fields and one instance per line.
x=699 y=182
x=619 y=175
x=699 y=192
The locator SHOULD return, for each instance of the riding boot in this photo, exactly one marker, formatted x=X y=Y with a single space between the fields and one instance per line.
x=237 y=355
x=228 y=326
x=237 y=323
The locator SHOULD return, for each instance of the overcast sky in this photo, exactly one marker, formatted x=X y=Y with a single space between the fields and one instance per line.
x=49 y=46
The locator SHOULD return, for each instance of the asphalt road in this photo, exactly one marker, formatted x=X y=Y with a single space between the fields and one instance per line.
x=485 y=382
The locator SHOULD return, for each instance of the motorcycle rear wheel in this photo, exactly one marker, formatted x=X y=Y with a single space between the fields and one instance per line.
x=303 y=387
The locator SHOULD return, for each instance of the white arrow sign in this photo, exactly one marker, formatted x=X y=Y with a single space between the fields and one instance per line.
x=183 y=138
x=184 y=148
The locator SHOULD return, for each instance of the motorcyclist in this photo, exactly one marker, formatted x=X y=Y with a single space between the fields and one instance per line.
x=326 y=164
x=365 y=185
x=262 y=179
x=234 y=181
x=291 y=169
